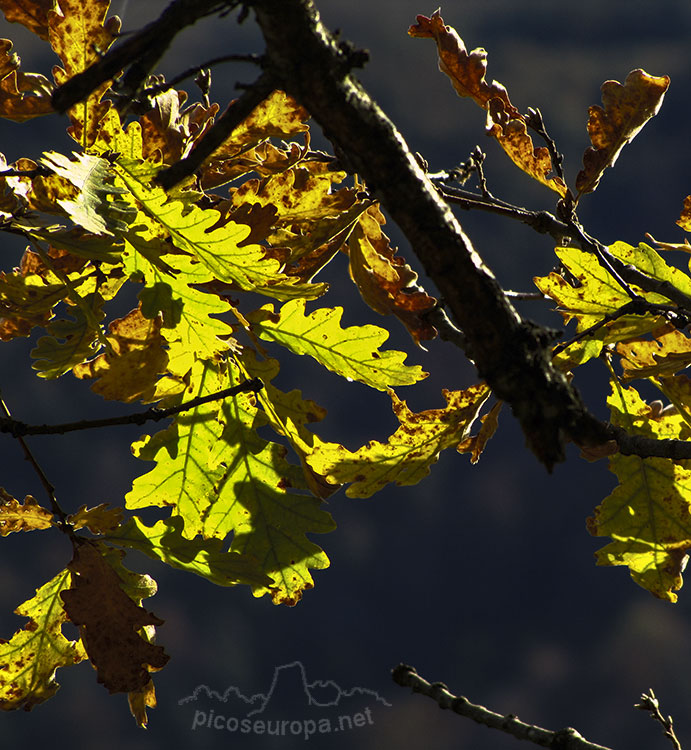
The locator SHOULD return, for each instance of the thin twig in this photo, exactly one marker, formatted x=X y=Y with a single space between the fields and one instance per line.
x=17 y=429
x=47 y=485
x=535 y=121
x=564 y=739
x=650 y=703
x=159 y=88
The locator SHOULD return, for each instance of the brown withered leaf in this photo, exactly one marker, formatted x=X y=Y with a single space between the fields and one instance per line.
x=512 y=135
x=128 y=372
x=109 y=622
x=30 y=13
x=171 y=130
x=685 y=219
x=17 y=517
x=626 y=109
x=385 y=281
x=22 y=95
x=99 y=520
x=466 y=70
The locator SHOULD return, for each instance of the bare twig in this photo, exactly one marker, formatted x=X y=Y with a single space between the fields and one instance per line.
x=47 y=485
x=18 y=429
x=535 y=121
x=650 y=703
x=193 y=71
x=563 y=739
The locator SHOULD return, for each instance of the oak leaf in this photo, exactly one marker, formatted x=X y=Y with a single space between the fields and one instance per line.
x=33 y=14
x=626 y=109
x=29 y=660
x=99 y=520
x=684 y=220
x=129 y=369
x=350 y=352
x=385 y=281
x=648 y=515
x=22 y=95
x=512 y=134
x=465 y=69
x=109 y=622
x=406 y=457
x=17 y=517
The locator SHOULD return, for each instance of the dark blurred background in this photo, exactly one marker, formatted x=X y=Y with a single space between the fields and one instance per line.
x=481 y=576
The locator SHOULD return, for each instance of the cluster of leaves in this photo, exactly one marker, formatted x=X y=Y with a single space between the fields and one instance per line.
x=635 y=329
x=236 y=509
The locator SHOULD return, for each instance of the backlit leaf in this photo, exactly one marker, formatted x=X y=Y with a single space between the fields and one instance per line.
x=465 y=69
x=408 y=454
x=350 y=352
x=99 y=519
x=79 y=34
x=512 y=135
x=504 y=122
x=29 y=660
x=30 y=13
x=385 y=281
x=205 y=557
x=684 y=220
x=17 y=517
x=22 y=95
x=665 y=354
x=648 y=515
x=129 y=369
x=626 y=109
x=600 y=294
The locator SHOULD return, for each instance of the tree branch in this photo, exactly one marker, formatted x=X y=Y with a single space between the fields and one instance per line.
x=510 y=353
x=238 y=111
x=139 y=53
x=650 y=703
x=563 y=739
x=18 y=429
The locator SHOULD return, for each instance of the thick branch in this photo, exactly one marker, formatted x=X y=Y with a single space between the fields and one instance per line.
x=509 y=353
x=563 y=739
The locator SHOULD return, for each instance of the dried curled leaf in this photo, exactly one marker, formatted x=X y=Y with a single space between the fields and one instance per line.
x=504 y=122
x=22 y=95
x=465 y=69
x=685 y=219
x=626 y=109
x=385 y=281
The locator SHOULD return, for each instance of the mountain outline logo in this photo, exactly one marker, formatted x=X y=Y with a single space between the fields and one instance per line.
x=317 y=694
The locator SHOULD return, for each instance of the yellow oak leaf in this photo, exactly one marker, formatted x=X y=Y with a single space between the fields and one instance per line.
x=128 y=371
x=17 y=517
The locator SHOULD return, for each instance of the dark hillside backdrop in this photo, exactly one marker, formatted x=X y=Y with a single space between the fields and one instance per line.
x=482 y=576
